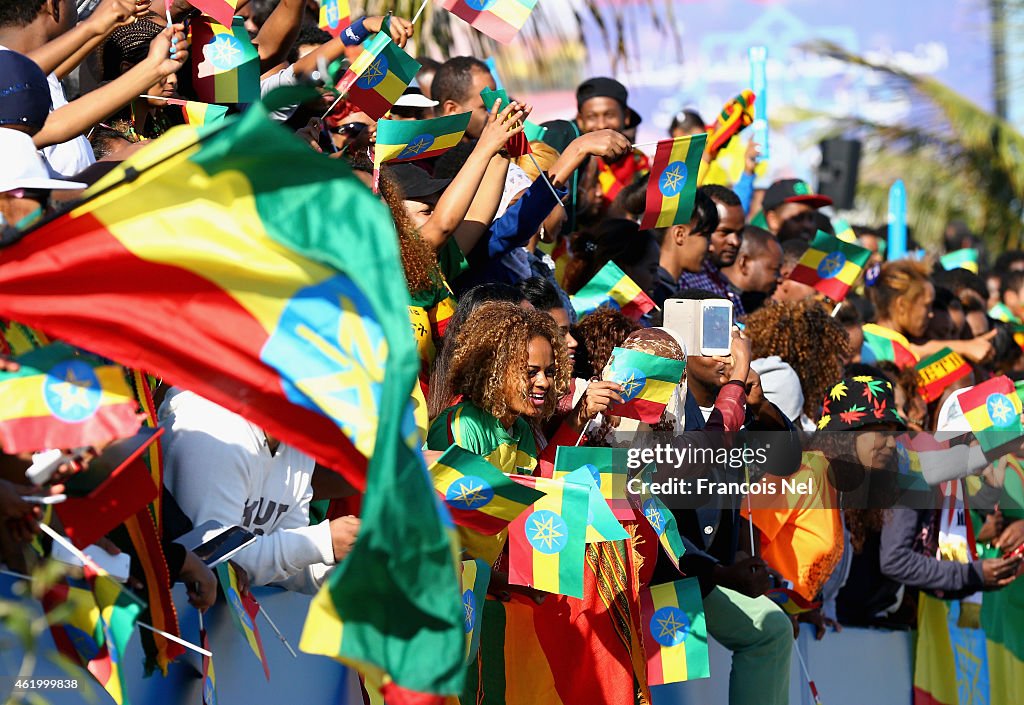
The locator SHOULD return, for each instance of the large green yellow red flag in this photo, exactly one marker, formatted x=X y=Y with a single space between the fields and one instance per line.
x=673 y=182
x=547 y=543
x=993 y=411
x=244 y=609
x=61 y=398
x=225 y=64
x=309 y=340
x=830 y=265
x=378 y=76
x=607 y=465
x=478 y=495
x=675 y=635
x=498 y=19
x=648 y=382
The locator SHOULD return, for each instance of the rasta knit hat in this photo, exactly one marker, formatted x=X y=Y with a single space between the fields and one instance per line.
x=857 y=402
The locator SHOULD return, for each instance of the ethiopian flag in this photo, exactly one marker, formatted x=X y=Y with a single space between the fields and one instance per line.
x=601 y=523
x=476 y=575
x=791 y=602
x=62 y=399
x=519 y=145
x=547 y=544
x=737 y=114
x=378 y=76
x=209 y=675
x=406 y=140
x=659 y=516
x=938 y=371
x=611 y=287
x=886 y=344
x=993 y=410
x=674 y=634
x=830 y=265
x=309 y=340
x=244 y=609
x=221 y=10
x=673 y=182
x=335 y=16
x=648 y=382
x=500 y=20
x=478 y=495
x=225 y=64
x=198 y=114
x=966 y=258
x=118 y=611
x=608 y=468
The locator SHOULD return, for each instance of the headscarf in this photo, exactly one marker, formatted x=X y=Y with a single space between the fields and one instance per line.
x=516 y=181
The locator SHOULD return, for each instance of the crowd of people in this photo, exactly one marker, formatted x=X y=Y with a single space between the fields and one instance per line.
x=493 y=248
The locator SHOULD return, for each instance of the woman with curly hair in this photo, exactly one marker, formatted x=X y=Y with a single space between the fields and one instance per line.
x=903 y=296
x=803 y=335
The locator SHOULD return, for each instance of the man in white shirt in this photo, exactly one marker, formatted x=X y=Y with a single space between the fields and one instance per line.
x=220 y=467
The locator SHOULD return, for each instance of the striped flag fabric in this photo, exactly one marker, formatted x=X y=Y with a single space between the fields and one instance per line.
x=209 y=675
x=221 y=10
x=547 y=544
x=478 y=495
x=611 y=287
x=519 y=145
x=608 y=468
x=791 y=602
x=335 y=16
x=244 y=609
x=476 y=574
x=830 y=265
x=378 y=76
x=993 y=411
x=199 y=114
x=675 y=635
x=737 y=114
x=601 y=523
x=61 y=398
x=660 y=517
x=118 y=611
x=408 y=140
x=882 y=343
x=500 y=20
x=648 y=382
x=938 y=371
x=673 y=182
x=225 y=65
x=966 y=258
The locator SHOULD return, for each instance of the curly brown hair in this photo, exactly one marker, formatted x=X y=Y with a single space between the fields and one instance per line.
x=489 y=362
x=419 y=261
x=597 y=333
x=806 y=337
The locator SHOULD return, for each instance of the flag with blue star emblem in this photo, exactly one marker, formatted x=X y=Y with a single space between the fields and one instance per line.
x=658 y=515
x=608 y=468
x=673 y=182
x=830 y=265
x=225 y=64
x=547 y=543
x=478 y=495
x=64 y=399
x=408 y=140
x=993 y=411
x=476 y=575
x=601 y=523
x=498 y=19
x=378 y=76
x=674 y=633
x=244 y=609
x=335 y=16
x=648 y=382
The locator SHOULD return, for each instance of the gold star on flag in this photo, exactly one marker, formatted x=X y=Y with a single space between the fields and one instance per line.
x=223 y=52
x=467 y=604
x=470 y=495
x=332 y=14
x=73 y=392
x=1000 y=411
x=672 y=178
x=831 y=265
x=546 y=532
x=654 y=516
x=630 y=386
x=418 y=146
x=669 y=626
x=374 y=71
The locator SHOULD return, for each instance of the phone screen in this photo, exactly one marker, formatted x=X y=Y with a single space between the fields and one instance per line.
x=213 y=551
x=715 y=326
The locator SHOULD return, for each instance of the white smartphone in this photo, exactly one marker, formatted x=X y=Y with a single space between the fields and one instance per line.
x=704 y=325
x=223 y=546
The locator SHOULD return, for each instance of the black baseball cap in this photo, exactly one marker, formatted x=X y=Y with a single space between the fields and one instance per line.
x=24 y=92
x=415 y=182
x=793 y=191
x=602 y=88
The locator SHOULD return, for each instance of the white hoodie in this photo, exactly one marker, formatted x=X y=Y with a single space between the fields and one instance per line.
x=218 y=467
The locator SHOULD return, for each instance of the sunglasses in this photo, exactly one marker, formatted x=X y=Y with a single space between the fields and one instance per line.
x=352 y=129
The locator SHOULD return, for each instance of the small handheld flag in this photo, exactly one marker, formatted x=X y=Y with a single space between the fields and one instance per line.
x=608 y=467
x=792 y=602
x=244 y=609
x=209 y=676
x=993 y=410
x=226 y=66
x=938 y=371
x=830 y=265
x=378 y=76
x=547 y=544
x=966 y=258
x=196 y=113
x=647 y=383
x=882 y=343
x=477 y=494
x=335 y=16
x=519 y=145
x=660 y=517
x=476 y=575
x=611 y=287
x=601 y=523
x=500 y=20
x=118 y=612
x=675 y=636
x=673 y=182
x=407 y=140
x=737 y=114
x=60 y=398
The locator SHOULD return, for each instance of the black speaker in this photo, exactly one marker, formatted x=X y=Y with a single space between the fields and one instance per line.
x=837 y=175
